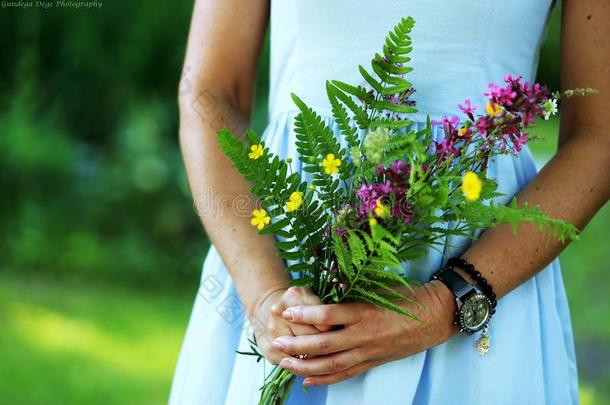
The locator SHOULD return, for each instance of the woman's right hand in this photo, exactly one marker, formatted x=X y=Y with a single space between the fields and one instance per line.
x=268 y=318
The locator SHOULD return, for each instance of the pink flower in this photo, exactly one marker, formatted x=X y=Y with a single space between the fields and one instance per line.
x=390 y=188
x=483 y=125
x=520 y=142
x=504 y=96
x=446 y=148
x=397 y=167
x=394 y=100
x=467 y=108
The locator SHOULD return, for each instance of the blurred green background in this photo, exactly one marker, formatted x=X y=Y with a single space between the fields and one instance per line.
x=100 y=249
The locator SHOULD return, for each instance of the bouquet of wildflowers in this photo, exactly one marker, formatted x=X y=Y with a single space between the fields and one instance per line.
x=381 y=193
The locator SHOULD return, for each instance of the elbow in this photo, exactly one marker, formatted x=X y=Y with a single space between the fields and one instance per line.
x=217 y=104
x=203 y=109
x=194 y=101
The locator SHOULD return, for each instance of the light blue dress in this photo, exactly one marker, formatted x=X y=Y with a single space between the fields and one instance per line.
x=459 y=47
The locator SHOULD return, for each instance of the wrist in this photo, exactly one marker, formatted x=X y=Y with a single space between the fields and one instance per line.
x=445 y=304
x=262 y=301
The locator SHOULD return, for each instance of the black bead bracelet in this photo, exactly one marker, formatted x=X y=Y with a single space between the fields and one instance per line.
x=481 y=281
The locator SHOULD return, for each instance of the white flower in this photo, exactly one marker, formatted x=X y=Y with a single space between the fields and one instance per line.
x=355 y=155
x=550 y=108
x=375 y=144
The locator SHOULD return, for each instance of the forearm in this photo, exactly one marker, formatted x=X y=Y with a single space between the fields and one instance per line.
x=573 y=186
x=224 y=202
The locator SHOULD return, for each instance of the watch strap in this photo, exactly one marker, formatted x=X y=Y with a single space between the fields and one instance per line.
x=454 y=281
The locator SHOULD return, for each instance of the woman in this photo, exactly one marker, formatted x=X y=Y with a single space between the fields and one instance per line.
x=380 y=357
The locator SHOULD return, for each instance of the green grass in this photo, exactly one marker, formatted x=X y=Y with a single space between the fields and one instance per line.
x=87 y=345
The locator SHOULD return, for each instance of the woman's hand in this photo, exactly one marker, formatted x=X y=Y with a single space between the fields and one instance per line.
x=371 y=335
x=269 y=323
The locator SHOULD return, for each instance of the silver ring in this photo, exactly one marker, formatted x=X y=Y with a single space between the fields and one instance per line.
x=302 y=356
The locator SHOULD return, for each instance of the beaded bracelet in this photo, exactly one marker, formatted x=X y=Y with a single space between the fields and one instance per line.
x=481 y=281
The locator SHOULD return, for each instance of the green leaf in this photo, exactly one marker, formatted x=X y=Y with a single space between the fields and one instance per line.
x=360 y=114
x=370 y=80
x=302 y=281
x=297 y=268
x=287 y=245
x=390 y=123
x=355 y=91
x=341 y=117
x=294 y=255
x=389 y=106
x=275 y=227
x=397 y=89
x=356 y=246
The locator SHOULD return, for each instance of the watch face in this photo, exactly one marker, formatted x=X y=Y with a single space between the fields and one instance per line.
x=474 y=312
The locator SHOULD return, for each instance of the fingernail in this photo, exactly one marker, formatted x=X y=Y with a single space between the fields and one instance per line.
x=277 y=343
x=286 y=362
x=287 y=314
x=307 y=382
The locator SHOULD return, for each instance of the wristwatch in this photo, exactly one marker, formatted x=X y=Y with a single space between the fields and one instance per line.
x=473 y=307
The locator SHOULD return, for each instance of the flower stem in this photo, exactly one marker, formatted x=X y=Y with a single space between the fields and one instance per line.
x=277 y=387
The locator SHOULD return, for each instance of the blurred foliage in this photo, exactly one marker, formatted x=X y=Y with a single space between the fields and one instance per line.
x=91 y=175
x=93 y=191
x=90 y=168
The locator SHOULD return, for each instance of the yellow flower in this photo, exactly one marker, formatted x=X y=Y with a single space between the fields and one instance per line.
x=294 y=202
x=260 y=218
x=256 y=151
x=372 y=221
x=381 y=210
x=471 y=186
x=493 y=109
x=331 y=164
x=462 y=131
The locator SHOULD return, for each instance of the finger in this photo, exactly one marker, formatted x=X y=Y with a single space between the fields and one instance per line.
x=318 y=344
x=331 y=364
x=330 y=314
x=323 y=328
x=274 y=356
x=292 y=296
x=276 y=327
x=295 y=296
x=340 y=376
x=303 y=330
x=312 y=299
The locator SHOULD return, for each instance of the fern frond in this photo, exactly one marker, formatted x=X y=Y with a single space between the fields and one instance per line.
x=341 y=118
x=343 y=94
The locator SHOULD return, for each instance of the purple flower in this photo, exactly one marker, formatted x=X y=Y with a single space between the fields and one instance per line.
x=394 y=100
x=467 y=108
x=519 y=142
x=341 y=232
x=363 y=192
x=383 y=188
x=504 y=96
x=368 y=198
x=446 y=148
x=483 y=125
x=398 y=167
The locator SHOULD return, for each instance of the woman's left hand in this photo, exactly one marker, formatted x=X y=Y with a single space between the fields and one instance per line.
x=370 y=335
